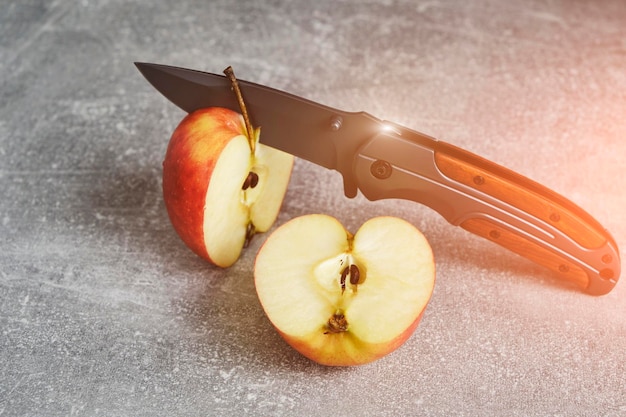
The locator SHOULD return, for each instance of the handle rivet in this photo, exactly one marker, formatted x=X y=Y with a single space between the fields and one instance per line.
x=335 y=123
x=563 y=268
x=479 y=180
x=607 y=274
x=607 y=259
x=494 y=234
x=555 y=217
x=381 y=169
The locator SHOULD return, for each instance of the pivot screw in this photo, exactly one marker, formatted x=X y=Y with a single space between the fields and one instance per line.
x=381 y=169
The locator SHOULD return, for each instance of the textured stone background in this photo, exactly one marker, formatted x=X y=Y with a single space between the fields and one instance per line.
x=104 y=312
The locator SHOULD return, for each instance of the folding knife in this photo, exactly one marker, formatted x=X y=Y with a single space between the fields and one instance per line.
x=385 y=160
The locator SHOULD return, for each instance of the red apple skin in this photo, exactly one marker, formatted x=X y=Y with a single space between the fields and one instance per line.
x=333 y=350
x=189 y=162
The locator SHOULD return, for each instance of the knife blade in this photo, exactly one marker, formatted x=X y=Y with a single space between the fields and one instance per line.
x=384 y=160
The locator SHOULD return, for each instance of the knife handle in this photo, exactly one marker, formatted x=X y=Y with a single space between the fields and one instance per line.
x=492 y=202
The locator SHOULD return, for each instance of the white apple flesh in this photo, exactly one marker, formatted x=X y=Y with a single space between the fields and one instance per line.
x=340 y=299
x=216 y=191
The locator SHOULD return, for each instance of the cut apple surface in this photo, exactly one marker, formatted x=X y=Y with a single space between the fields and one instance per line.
x=217 y=192
x=341 y=299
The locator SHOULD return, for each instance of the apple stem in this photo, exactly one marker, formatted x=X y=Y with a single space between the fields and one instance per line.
x=230 y=73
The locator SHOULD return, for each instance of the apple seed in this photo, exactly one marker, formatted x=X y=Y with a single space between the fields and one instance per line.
x=342 y=280
x=355 y=274
x=251 y=181
x=337 y=324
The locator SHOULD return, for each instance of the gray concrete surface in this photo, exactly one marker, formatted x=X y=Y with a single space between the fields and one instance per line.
x=104 y=312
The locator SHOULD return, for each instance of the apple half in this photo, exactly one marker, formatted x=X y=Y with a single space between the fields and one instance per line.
x=342 y=299
x=217 y=191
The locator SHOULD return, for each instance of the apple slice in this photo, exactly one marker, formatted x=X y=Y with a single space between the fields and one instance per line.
x=341 y=299
x=218 y=191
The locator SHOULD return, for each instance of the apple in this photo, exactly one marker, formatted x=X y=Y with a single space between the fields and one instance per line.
x=220 y=186
x=342 y=299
